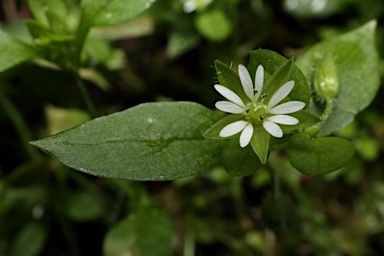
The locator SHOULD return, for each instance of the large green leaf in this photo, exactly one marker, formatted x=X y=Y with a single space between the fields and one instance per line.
x=13 y=52
x=356 y=61
x=148 y=231
x=112 y=12
x=152 y=141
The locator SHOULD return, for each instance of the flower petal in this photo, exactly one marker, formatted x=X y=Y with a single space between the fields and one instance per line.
x=281 y=93
x=229 y=107
x=259 y=80
x=228 y=94
x=283 y=119
x=233 y=128
x=273 y=129
x=246 y=81
x=246 y=135
x=288 y=107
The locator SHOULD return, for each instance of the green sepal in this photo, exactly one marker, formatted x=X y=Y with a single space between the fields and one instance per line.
x=230 y=79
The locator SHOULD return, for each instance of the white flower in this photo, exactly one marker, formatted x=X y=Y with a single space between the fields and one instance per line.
x=257 y=110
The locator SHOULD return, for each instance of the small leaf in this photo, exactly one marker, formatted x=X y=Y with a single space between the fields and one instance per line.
x=317 y=156
x=112 y=12
x=214 y=25
x=13 y=52
x=356 y=60
x=85 y=206
x=144 y=232
x=239 y=161
x=52 y=13
x=152 y=141
x=29 y=241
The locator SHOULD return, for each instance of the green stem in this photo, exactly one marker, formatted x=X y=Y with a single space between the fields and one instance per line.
x=328 y=109
x=276 y=194
x=275 y=180
x=85 y=94
x=18 y=123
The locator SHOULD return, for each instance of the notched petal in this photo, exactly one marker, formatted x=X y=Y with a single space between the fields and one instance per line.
x=233 y=128
x=228 y=94
x=283 y=119
x=288 y=107
x=259 y=79
x=281 y=93
x=246 y=81
x=273 y=129
x=246 y=135
x=229 y=107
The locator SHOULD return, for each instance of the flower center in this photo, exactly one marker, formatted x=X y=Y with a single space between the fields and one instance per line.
x=256 y=113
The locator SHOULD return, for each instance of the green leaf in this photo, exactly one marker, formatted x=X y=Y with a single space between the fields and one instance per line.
x=52 y=13
x=214 y=25
x=260 y=142
x=112 y=12
x=356 y=61
x=152 y=141
x=29 y=241
x=239 y=161
x=85 y=206
x=144 y=232
x=317 y=156
x=274 y=62
x=13 y=52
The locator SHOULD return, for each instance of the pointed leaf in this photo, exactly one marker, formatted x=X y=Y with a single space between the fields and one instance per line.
x=152 y=141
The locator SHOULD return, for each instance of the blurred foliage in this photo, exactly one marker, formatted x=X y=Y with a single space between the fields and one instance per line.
x=168 y=53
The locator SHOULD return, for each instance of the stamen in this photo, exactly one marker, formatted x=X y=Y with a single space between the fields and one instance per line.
x=247 y=110
x=255 y=91
x=264 y=96
x=261 y=118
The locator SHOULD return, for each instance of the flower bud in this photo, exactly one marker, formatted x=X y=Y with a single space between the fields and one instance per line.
x=326 y=81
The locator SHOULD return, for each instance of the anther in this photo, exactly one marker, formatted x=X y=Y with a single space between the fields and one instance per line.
x=247 y=110
x=261 y=118
x=255 y=91
x=264 y=96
